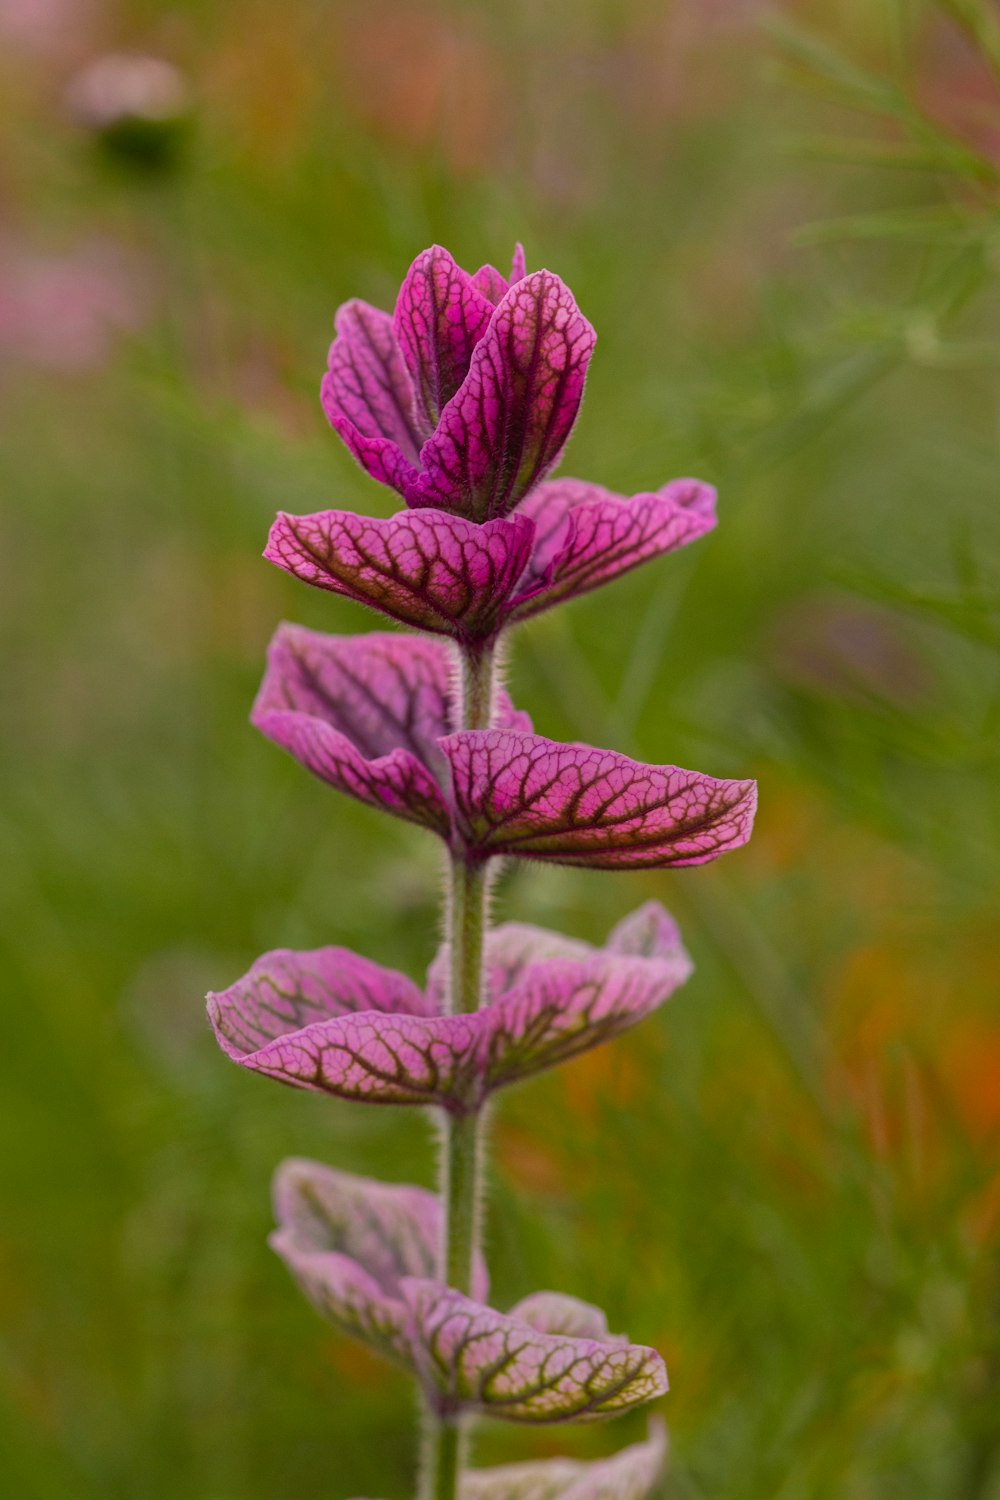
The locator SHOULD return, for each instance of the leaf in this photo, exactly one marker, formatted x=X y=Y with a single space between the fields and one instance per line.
x=475 y=1359
x=587 y=536
x=439 y=319
x=349 y=1242
x=425 y=568
x=521 y=794
x=510 y=419
x=627 y=1475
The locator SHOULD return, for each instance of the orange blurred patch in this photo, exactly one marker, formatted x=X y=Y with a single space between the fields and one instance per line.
x=970 y=1065
x=355 y=1363
x=528 y=1163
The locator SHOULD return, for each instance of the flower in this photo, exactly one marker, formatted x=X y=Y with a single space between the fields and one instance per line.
x=373 y=716
x=465 y=397
x=334 y=1022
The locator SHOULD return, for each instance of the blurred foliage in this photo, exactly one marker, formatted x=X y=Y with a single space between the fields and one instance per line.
x=785 y=229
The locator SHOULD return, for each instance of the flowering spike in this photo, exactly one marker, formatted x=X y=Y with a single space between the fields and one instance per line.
x=349 y=1242
x=518 y=270
x=521 y=794
x=440 y=317
x=365 y=714
x=424 y=568
x=587 y=536
x=368 y=397
x=510 y=419
x=627 y=1475
x=475 y=1359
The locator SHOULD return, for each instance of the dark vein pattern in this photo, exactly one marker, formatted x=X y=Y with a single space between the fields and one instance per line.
x=586 y=535
x=628 y=1475
x=349 y=1241
x=508 y=423
x=475 y=1359
x=522 y=794
x=333 y=1022
x=439 y=319
x=424 y=568
x=368 y=396
x=365 y=713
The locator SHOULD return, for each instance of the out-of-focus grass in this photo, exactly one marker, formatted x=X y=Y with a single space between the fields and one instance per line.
x=788 y=1181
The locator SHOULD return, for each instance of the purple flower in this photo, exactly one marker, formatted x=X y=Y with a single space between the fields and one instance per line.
x=363 y=1253
x=332 y=1021
x=374 y=717
x=465 y=397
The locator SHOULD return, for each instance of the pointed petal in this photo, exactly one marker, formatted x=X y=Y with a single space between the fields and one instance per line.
x=368 y=397
x=363 y=713
x=574 y=804
x=491 y=282
x=285 y=993
x=440 y=317
x=518 y=270
x=349 y=1241
x=508 y=423
x=587 y=535
x=473 y=1358
x=425 y=568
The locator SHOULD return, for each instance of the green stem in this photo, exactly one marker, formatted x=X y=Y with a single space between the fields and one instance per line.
x=463 y=1133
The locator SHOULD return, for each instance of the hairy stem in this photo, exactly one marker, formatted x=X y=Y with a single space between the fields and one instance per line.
x=463 y=1134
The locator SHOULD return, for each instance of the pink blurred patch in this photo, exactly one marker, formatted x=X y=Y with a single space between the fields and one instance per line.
x=65 y=312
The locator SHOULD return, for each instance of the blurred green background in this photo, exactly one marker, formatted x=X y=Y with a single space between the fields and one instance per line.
x=785 y=228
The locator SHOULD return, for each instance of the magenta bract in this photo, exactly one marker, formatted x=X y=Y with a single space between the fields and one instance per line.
x=364 y=1253
x=518 y=793
x=455 y=402
x=474 y=1359
x=349 y=1242
x=371 y=714
x=331 y=1021
x=424 y=568
x=365 y=713
x=441 y=573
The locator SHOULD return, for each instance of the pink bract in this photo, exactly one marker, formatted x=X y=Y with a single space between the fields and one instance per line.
x=441 y=573
x=474 y=1359
x=521 y=794
x=365 y=714
x=349 y=1242
x=337 y=1023
x=455 y=402
x=371 y=715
